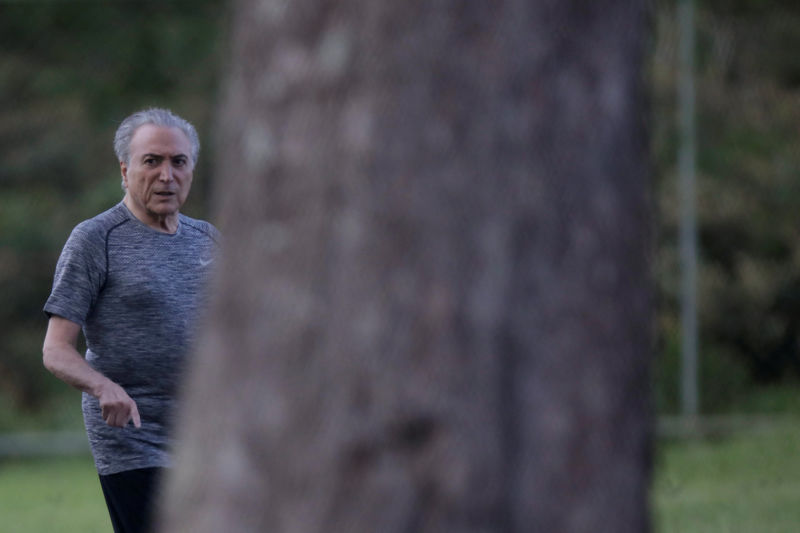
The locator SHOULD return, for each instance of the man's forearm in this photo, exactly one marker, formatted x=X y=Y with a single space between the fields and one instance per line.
x=64 y=362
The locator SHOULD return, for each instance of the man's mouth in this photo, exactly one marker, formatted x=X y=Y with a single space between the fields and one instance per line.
x=165 y=193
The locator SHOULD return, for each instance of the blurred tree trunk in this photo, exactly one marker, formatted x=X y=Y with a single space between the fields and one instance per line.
x=432 y=312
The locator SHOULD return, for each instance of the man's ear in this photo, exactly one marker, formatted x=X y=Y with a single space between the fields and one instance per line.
x=124 y=170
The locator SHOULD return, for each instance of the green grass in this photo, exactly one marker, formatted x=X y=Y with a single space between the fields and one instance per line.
x=748 y=481
x=51 y=495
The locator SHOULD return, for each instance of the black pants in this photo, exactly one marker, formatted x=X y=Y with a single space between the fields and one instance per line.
x=130 y=497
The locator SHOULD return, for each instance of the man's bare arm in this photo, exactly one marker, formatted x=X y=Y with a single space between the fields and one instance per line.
x=61 y=357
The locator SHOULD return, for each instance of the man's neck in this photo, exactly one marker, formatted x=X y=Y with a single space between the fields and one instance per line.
x=164 y=224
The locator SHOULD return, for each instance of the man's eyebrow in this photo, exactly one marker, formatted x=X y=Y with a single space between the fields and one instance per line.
x=161 y=156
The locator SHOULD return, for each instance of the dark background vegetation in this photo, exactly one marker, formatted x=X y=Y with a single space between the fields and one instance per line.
x=748 y=101
x=69 y=73
x=71 y=70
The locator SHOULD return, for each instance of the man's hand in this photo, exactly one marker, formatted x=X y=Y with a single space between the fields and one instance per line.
x=117 y=407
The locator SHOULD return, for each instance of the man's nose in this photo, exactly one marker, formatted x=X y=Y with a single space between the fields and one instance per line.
x=166 y=172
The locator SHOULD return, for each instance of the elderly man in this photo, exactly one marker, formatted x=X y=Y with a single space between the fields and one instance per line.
x=134 y=279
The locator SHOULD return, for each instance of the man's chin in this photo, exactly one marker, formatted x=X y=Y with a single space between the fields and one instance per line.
x=165 y=207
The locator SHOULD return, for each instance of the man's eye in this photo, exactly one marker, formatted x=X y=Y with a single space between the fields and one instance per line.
x=150 y=161
x=180 y=162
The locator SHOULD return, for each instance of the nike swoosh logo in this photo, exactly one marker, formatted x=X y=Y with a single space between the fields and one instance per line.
x=205 y=262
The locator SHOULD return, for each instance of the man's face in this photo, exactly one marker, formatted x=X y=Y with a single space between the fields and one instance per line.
x=159 y=174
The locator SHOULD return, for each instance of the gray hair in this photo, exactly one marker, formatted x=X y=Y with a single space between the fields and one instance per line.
x=158 y=117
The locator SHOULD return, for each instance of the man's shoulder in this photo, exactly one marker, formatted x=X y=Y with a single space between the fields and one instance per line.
x=202 y=227
x=106 y=220
x=99 y=226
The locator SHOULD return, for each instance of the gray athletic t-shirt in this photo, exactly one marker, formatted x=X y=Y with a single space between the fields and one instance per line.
x=138 y=294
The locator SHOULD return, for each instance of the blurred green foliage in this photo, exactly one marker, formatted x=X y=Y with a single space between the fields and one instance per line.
x=69 y=73
x=748 y=101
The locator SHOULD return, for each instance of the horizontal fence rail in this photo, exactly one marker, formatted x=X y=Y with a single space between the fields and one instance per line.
x=669 y=427
x=75 y=443
x=43 y=444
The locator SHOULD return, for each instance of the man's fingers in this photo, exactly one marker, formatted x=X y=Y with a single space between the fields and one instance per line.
x=137 y=421
x=112 y=419
x=118 y=414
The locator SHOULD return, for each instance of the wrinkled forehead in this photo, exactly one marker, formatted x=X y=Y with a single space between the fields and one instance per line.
x=160 y=140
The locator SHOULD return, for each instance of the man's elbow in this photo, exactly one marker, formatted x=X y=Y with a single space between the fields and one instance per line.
x=49 y=357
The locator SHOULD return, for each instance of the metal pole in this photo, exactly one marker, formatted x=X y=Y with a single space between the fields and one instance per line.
x=688 y=219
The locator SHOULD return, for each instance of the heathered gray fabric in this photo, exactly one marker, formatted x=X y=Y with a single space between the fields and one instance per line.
x=137 y=293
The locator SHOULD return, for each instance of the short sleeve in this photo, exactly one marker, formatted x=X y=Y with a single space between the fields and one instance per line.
x=79 y=277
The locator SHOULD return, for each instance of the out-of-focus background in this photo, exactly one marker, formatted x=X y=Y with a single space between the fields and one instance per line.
x=71 y=71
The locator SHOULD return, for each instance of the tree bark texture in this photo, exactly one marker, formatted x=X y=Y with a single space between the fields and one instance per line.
x=432 y=313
